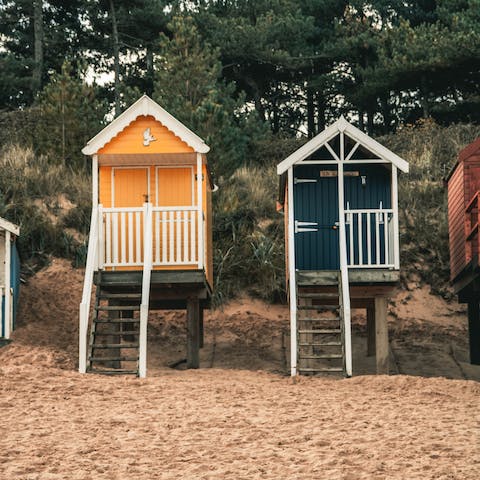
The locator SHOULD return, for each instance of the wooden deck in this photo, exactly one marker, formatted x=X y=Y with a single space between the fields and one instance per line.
x=170 y=289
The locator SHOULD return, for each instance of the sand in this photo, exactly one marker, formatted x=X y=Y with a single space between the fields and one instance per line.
x=240 y=416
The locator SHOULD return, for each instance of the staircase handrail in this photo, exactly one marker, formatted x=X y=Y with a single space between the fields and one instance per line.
x=147 y=269
x=345 y=300
x=87 y=291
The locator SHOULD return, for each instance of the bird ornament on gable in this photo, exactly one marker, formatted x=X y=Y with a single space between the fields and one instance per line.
x=147 y=137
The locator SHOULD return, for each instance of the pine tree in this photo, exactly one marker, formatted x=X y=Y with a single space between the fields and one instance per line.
x=188 y=85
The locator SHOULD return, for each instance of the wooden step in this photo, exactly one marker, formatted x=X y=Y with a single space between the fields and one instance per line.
x=316 y=344
x=318 y=296
x=323 y=330
x=113 y=359
x=318 y=307
x=115 y=345
x=323 y=369
x=118 y=320
x=117 y=308
x=321 y=319
x=120 y=295
x=320 y=356
x=118 y=371
x=120 y=332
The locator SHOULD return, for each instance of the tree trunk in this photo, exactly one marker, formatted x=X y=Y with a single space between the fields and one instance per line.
x=370 y=114
x=361 y=124
x=387 y=114
x=321 y=107
x=149 y=59
x=38 y=44
x=116 y=58
x=310 y=114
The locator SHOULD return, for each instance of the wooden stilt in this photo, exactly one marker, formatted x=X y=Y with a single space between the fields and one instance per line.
x=193 y=333
x=201 y=327
x=474 y=332
x=370 y=331
x=381 y=335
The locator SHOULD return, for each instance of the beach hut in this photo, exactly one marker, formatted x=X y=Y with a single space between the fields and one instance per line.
x=339 y=194
x=150 y=242
x=463 y=184
x=9 y=275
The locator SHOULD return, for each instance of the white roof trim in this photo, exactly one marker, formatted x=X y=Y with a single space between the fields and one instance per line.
x=144 y=106
x=341 y=125
x=11 y=227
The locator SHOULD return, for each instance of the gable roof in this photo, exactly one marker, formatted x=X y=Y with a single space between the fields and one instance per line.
x=11 y=227
x=341 y=125
x=144 y=106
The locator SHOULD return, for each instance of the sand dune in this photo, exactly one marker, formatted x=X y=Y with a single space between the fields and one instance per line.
x=243 y=418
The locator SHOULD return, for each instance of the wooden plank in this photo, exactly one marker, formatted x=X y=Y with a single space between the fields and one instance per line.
x=370 y=331
x=474 y=332
x=202 y=333
x=381 y=336
x=193 y=333
x=357 y=276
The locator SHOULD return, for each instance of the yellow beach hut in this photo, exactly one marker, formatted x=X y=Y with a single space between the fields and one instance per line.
x=150 y=242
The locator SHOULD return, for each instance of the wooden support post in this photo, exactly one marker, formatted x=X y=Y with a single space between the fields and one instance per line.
x=474 y=332
x=193 y=333
x=371 y=331
x=381 y=335
x=201 y=341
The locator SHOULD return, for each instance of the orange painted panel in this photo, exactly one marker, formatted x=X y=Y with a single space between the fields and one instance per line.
x=105 y=186
x=131 y=187
x=131 y=139
x=175 y=187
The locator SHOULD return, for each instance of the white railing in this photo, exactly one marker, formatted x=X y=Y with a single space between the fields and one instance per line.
x=370 y=238
x=175 y=239
x=92 y=260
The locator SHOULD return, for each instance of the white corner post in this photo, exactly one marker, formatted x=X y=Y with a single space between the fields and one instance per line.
x=291 y=275
x=94 y=181
x=7 y=318
x=396 y=232
x=343 y=263
x=200 y=229
x=147 y=271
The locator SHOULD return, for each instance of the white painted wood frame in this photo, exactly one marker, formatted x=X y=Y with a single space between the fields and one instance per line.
x=292 y=276
x=200 y=225
x=396 y=232
x=84 y=310
x=345 y=301
x=94 y=181
x=7 y=319
x=147 y=270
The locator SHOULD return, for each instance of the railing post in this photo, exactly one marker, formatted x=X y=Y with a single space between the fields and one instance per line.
x=147 y=269
x=101 y=240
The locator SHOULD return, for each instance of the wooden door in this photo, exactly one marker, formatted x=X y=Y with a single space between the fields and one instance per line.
x=130 y=187
x=175 y=187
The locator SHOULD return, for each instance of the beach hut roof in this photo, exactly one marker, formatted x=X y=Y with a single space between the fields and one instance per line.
x=341 y=125
x=145 y=106
x=11 y=227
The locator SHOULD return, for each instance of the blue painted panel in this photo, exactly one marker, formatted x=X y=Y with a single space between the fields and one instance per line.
x=316 y=202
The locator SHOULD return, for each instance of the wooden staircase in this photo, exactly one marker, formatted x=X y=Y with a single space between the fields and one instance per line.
x=114 y=333
x=320 y=338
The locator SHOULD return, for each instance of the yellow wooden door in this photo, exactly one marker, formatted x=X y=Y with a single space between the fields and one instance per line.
x=176 y=230
x=175 y=187
x=130 y=187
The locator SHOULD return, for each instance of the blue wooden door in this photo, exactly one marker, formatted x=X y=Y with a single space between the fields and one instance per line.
x=316 y=216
